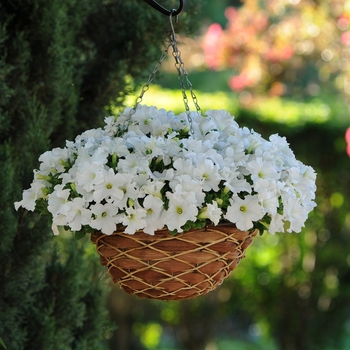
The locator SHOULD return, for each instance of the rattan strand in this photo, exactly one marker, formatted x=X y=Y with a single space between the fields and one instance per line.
x=169 y=267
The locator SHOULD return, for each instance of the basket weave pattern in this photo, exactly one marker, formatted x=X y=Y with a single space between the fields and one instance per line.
x=169 y=267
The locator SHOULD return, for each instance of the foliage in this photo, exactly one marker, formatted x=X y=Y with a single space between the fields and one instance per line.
x=62 y=63
x=290 y=48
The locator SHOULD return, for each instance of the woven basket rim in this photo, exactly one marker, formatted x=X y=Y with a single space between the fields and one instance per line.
x=208 y=226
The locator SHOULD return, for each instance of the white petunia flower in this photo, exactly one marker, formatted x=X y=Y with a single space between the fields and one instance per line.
x=268 y=201
x=133 y=219
x=196 y=147
x=130 y=188
x=143 y=116
x=252 y=142
x=111 y=125
x=105 y=218
x=183 y=166
x=207 y=171
x=115 y=146
x=184 y=183
x=263 y=185
x=235 y=153
x=205 y=125
x=166 y=175
x=89 y=175
x=30 y=196
x=133 y=164
x=161 y=123
x=295 y=214
x=277 y=223
x=78 y=215
x=111 y=186
x=181 y=209
x=237 y=184
x=224 y=122
x=99 y=155
x=53 y=161
x=58 y=202
x=155 y=213
x=260 y=169
x=281 y=147
x=148 y=147
x=55 y=229
x=154 y=187
x=302 y=178
x=211 y=212
x=171 y=148
x=243 y=212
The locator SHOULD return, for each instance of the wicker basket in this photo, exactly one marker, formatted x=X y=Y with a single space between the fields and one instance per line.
x=169 y=267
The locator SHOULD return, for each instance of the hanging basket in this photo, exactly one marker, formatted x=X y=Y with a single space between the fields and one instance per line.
x=167 y=267
x=149 y=169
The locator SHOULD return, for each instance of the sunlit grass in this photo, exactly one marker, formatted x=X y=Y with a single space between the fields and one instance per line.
x=269 y=109
x=291 y=112
x=173 y=100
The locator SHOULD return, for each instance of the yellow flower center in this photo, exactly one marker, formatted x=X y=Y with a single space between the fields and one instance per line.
x=179 y=210
x=243 y=208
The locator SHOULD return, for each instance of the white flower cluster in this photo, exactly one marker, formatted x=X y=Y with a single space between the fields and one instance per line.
x=159 y=172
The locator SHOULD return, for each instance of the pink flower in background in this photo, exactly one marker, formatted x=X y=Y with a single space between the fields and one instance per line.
x=345 y=38
x=231 y=13
x=247 y=78
x=347 y=139
x=239 y=82
x=275 y=54
x=210 y=46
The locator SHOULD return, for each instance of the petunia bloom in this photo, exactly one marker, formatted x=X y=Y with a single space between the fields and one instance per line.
x=243 y=212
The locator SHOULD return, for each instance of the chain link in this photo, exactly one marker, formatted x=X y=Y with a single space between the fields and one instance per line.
x=182 y=76
x=179 y=64
x=144 y=89
x=146 y=86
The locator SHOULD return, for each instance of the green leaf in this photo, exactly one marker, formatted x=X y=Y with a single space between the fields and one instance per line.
x=79 y=234
x=191 y=224
x=88 y=229
x=2 y=343
x=41 y=206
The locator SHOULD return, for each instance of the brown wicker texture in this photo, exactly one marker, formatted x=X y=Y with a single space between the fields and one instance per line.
x=169 y=267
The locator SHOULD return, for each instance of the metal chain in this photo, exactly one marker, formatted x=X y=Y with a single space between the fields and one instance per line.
x=150 y=79
x=182 y=76
x=144 y=89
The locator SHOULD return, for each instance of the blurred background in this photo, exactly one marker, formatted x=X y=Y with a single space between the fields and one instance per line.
x=279 y=66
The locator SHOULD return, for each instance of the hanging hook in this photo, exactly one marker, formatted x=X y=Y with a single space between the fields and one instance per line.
x=164 y=11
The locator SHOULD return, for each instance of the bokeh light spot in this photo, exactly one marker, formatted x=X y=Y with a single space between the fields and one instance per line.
x=337 y=200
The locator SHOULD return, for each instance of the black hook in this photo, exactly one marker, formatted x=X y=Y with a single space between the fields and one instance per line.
x=164 y=11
